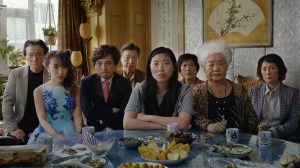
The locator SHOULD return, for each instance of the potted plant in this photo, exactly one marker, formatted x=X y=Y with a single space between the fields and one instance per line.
x=14 y=57
x=50 y=34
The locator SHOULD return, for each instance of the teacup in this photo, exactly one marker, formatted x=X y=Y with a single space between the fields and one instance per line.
x=264 y=139
x=232 y=135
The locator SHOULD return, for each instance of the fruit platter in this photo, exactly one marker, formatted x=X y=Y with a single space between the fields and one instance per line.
x=173 y=154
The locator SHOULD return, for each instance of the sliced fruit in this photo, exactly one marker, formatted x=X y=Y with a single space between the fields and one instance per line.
x=177 y=146
x=172 y=144
x=173 y=156
x=164 y=147
x=283 y=162
x=150 y=155
x=143 y=150
x=162 y=156
x=185 y=147
x=183 y=154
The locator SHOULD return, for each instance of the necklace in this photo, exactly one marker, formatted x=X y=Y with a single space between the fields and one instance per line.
x=213 y=92
x=219 y=102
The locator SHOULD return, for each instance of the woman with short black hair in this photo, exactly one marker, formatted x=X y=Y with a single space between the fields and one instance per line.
x=188 y=66
x=275 y=103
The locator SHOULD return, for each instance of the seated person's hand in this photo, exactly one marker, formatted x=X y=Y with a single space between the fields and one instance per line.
x=217 y=127
x=115 y=110
x=143 y=117
x=2 y=132
x=262 y=127
x=19 y=134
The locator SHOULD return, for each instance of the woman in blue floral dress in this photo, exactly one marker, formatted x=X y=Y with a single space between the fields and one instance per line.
x=57 y=101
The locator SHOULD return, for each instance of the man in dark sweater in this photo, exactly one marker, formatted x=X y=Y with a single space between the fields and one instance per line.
x=18 y=105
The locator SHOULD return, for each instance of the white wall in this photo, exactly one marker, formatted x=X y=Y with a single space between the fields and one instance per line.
x=286 y=38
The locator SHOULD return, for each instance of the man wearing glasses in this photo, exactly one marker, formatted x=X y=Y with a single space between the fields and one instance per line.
x=18 y=108
x=129 y=58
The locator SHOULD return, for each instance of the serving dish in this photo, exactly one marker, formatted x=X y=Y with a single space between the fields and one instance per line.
x=166 y=162
x=75 y=150
x=207 y=136
x=99 y=148
x=80 y=162
x=130 y=142
x=179 y=137
x=166 y=154
x=94 y=162
x=223 y=162
x=70 y=161
x=229 y=150
x=141 y=164
x=153 y=138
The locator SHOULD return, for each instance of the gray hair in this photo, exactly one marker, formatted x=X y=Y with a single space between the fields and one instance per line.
x=213 y=47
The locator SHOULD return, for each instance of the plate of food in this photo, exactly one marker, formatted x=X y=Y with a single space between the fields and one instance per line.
x=141 y=165
x=75 y=150
x=152 y=138
x=235 y=163
x=80 y=161
x=229 y=150
x=130 y=142
x=179 y=137
x=207 y=136
x=94 y=162
x=171 y=154
x=166 y=162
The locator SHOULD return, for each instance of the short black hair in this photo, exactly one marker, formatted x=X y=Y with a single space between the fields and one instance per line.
x=105 y=50
x=35 y=42
x=186 y=57
x=131 y=47
x=272 y=58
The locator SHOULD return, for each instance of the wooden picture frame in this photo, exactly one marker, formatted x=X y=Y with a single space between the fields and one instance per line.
x=241 y=23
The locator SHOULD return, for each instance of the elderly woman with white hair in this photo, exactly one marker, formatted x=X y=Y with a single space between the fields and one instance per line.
x=218 y=102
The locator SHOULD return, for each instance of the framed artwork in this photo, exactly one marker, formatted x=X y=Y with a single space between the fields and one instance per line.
x=241 y=23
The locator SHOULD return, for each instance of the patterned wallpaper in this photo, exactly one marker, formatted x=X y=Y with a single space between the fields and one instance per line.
x=164 y=24
x=286 y=37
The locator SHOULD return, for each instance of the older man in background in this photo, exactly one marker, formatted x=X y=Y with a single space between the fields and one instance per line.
x=129 y=58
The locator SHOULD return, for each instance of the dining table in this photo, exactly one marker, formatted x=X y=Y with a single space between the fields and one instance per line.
x=198 y=155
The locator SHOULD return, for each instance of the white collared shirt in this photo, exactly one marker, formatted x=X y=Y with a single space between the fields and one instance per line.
x=271 y=106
